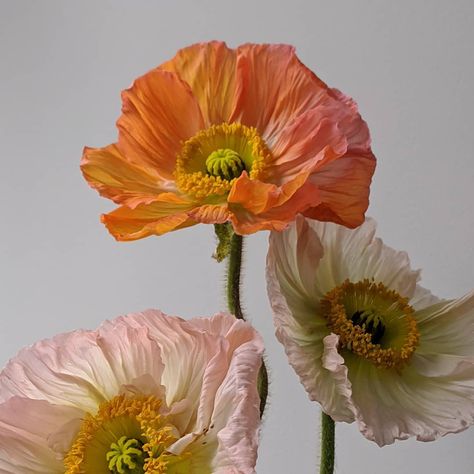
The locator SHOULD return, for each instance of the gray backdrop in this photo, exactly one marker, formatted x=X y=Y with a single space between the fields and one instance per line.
x=409 y=64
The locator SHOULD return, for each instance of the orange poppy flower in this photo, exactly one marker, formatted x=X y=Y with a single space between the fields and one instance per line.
x=248 y=136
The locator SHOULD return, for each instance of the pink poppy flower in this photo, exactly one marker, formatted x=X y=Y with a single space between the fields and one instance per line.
x=145 y=393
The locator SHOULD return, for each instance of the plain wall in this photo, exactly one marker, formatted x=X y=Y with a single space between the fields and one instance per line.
x=409 y=65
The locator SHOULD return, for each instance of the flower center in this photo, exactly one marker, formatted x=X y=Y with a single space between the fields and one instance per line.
x=373 y=322
x=211 y=160
x=125 y=436
x=126 y=456
x=225 y=163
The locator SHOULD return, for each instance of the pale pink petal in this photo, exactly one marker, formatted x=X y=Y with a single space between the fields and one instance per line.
x=34 y=435
x=81 y=368
x=236 y=415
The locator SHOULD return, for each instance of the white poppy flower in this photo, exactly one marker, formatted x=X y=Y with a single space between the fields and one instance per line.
x=368 y=343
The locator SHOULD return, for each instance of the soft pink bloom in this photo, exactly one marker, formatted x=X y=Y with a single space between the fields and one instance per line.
x=65 y=403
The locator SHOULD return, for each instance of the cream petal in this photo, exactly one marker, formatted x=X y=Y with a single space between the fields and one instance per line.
x=447 y=327
x=394 y=406
x=356 y=254
x=81 y=368
x=292 y=260
x=311 y=349
x=34 y=435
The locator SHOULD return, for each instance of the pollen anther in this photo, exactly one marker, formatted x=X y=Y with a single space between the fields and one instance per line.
x=357 y=312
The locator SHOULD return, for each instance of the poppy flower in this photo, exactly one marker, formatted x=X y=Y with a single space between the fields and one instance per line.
x=145 y=393
x=248 y=136
x=367 y=341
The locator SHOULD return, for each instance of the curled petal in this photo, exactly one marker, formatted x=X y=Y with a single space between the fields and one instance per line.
x=108 y=171
x=166 y=213
x=256 y=205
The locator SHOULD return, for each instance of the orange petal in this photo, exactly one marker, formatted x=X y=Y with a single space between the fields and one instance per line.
x=167 y=213
x=114 y=177
x=278 y=217
x=344 y=187
x=274 y=88
x=256 y=205
x=209 y=69
x=159 y=112
x=258 y=197
x=211 y=214
x=309 y=142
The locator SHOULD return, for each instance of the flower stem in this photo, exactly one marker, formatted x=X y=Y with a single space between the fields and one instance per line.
x=327 y=444
x=234 y=270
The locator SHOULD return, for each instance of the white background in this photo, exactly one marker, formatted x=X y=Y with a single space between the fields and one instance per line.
x=409 y=64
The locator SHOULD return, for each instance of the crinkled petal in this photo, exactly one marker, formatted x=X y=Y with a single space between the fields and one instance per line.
x=159 y=112
x=256 y=205
x=293 y=257
x=344 y=185
x=197 y=356
x=34 y=435
x=394 y=406
x=82 y=369
x=166 y=213
x=356 y=255
x=447 y=327
x=209 y=69
x=274 y=88
x=108 y=171
x=211 y=214
x=311 y=349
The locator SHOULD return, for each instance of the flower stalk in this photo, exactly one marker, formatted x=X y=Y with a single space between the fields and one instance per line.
x=233 y=245
x=327 y=444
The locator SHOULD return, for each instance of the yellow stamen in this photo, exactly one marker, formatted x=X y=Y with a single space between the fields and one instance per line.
x=373 y=322
x=125 y=436
x=214 y=158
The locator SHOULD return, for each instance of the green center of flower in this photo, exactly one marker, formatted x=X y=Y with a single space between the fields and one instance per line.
x=371 y=323
x=210 y=161
x=225 y=163
x=126 y=456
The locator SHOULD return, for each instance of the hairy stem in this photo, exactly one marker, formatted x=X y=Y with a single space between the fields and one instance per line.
x=234 y=270
x=327 y=444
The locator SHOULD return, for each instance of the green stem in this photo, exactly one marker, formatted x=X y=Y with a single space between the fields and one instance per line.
x=327 y=444
x=234 y=270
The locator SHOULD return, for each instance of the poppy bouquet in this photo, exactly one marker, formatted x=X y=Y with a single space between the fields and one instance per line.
x=246 y=139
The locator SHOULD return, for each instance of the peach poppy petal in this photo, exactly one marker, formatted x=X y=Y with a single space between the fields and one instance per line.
x=109 y=172
x=257 y=206
x=344 y=186
x=167 y=213
x=159 y=112
x=209 y=69
x=274 y=88
x=211 y=214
